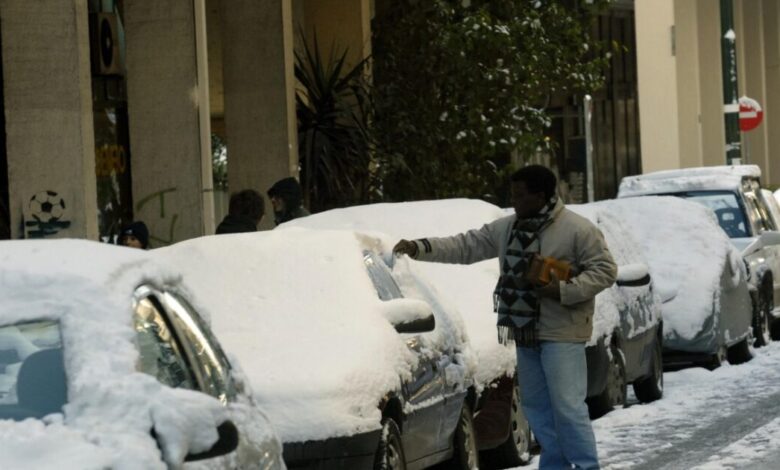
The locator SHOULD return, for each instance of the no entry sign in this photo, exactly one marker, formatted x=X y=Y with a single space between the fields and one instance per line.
x=750 y=114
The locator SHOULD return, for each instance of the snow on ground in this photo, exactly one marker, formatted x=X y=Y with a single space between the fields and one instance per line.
x=728 y=418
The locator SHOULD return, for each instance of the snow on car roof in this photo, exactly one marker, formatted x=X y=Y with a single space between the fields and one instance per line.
x=686 y=251
x=299 y=311
x=687 y=179
x=87 y=287
x=464 y=289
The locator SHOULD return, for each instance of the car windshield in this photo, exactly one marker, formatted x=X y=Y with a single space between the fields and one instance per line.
x=32 y=372
x=727 y=208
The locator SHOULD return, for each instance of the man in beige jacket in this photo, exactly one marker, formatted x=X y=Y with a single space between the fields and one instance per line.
x=549 y=323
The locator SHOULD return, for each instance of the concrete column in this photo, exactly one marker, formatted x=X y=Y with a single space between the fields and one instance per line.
x=711 y=72
x=752 y=76
x=260 y=122
x=345 y=24
x=657 y=75
x=165 y=106
x=48 y=107
x=688 y=83
x=771 y=29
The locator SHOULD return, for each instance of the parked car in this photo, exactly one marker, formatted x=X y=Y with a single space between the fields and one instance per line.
x=699 y=275
x=105 y=364
x=627 y=342
x=627 y=321
x=358 y=367
x=733 y=193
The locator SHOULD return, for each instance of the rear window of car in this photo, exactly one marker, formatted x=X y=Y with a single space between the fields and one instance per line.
x=727 y=208
x=32 y=371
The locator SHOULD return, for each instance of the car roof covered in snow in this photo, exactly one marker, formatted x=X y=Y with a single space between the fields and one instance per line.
x=688 y=179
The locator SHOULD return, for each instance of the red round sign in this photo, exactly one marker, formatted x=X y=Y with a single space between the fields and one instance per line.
x=750 y=114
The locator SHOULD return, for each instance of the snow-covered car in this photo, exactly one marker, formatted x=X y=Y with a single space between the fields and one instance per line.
x=699 y=275
x=105 y=364
x=626 y=346
x=733 y=193
x=357 y=367
x=627 y=320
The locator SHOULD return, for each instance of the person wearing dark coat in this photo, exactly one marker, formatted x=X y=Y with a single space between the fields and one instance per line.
x=245 y=210
x=287 y=199
x=134 y=235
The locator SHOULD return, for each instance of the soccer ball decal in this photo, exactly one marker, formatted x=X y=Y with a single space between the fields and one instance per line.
x=47 y=207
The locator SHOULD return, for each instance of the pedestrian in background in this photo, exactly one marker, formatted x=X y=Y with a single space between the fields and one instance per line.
x=287 y=199
x=134 y=235
x=245 y=210
x=549 y=323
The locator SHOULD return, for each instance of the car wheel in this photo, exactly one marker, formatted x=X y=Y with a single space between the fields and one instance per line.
x=740 y=352
x=465 y=455
x=390 y=453
x=717 y=359
x=516 y=449
x=652 y=388
x=616 y=389
x=761 y=316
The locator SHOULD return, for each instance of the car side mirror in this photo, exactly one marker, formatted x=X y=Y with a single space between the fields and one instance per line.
x=409 y=315
x=227 y=443
x=633 y=275
x=418 y=325
x=769 y=238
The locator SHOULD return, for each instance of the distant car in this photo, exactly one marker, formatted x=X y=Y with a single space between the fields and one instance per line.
x=358 y=367
x=700 y=277
x=733 y=193
x=105 y=364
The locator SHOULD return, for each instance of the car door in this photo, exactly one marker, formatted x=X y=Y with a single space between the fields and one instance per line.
x=424 y=393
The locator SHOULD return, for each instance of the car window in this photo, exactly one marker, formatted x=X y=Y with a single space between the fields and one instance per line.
x=727 y=209
x=160 y=353
x=32 y=371
x=381 y=277
x=765 y=209
x=205 y=352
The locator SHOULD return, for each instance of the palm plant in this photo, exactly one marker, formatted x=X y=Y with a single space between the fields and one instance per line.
x=333 y=109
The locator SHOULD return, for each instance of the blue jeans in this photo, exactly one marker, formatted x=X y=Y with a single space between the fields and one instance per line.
x=553 y=384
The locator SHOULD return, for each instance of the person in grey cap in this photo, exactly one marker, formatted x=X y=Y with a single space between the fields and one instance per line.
x=287 y=199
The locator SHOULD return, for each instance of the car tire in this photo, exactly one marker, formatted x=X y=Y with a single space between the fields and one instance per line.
x=740 y=352
x=390 y=453
x=516 y=449
x=465 y=455
x=651 y=388
x=615 y=390
x=761 y=319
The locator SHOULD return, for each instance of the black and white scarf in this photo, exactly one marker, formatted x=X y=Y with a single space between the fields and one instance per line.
x=514 y=299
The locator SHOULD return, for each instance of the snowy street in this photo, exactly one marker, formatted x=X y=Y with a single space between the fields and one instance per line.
x=728 y=418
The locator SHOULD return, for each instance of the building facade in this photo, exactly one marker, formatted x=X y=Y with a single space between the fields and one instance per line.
x=681 y=91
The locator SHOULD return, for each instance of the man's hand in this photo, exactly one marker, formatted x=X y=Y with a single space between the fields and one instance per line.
x=551 y=290
x=405 y=247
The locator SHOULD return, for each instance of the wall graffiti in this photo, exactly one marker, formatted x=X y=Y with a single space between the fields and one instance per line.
x=160 y=196
x=45 y=215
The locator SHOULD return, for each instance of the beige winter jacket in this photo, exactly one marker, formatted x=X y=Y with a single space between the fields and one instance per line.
x=570 y=238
